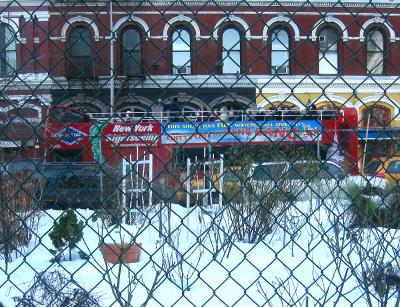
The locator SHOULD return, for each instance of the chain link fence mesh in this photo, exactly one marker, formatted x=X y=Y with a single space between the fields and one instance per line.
x=199 y=153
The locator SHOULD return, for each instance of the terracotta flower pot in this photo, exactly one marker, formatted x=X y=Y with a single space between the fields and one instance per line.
x=121 y=253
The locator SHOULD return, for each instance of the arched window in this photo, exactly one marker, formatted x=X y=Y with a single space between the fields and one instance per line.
x=231 y=57
x=376 y=116
x=375 y=52
x=280 y=51
x=81 y=52
x=131 y=52
x=181 y=52
x=8 y=58
x=328 y=51
x=131 y=112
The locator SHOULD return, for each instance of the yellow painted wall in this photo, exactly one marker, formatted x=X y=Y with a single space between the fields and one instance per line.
x=305 y=98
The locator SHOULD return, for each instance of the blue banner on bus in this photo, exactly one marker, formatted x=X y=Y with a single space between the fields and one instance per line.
x=290 y=131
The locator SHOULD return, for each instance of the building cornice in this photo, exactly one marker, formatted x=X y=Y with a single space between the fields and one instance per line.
x=261 y=83
x=236 y=3
x=263 y=3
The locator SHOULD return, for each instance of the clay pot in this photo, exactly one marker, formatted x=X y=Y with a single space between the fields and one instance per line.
x=121 y=253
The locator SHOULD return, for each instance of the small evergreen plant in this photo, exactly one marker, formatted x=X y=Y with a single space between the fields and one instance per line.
x=67 y=232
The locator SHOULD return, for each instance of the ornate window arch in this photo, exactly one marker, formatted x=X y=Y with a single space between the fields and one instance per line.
x=80 y=20
x=138 y=22
x=83 y=103
x=281 y=20
x=337 y=23
x=232 y=19
x=381 y=23
x=178 y=20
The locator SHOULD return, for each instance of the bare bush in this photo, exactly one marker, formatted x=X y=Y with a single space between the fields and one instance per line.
x=56 y=289
x=20 y=212
x=359 y=247
x=258 y=208
x=181 y=264
x=286 y=290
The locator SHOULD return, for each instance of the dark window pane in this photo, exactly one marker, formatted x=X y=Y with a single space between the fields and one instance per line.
x=81 y=42
x=131 y=60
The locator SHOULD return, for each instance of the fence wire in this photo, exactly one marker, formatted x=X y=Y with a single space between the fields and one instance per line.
x=199 y=153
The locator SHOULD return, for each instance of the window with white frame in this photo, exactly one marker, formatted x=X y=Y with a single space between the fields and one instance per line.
x=231 y=51
x=181 y=52
x=375 y=52
x=280 y=51
x=8 y=58
x=328 y=51
x=131 y=52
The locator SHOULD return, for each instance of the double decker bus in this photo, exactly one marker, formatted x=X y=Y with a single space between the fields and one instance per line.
x=90 y=137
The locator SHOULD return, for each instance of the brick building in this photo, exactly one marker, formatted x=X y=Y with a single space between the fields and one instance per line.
x=143 y=56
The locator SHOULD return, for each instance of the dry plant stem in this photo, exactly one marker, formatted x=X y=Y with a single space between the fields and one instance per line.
x=217 y=234
x=290 y=289
x=20 y=214
x=285 y=289
x=177 y=264
x=337 y=243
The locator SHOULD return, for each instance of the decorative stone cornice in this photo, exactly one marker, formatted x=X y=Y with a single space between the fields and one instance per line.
x=235 y=3
x=261 y=83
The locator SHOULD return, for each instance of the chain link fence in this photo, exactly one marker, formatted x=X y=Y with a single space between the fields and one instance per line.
x=199 y=153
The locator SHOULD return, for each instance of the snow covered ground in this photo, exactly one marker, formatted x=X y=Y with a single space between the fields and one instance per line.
x=315 y=261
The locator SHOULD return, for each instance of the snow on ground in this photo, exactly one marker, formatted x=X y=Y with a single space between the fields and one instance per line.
x=316 y=261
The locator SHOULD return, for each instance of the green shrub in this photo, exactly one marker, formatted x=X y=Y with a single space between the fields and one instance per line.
x=67 y=232
x=367 y=212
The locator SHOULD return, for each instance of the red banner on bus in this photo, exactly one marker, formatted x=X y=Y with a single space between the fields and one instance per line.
x=131 y=134
x=79 y=135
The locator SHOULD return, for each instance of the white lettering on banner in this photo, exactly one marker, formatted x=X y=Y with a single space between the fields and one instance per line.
x=140 y=128
x=116 y=139
x=136 y=128
x=120 y=128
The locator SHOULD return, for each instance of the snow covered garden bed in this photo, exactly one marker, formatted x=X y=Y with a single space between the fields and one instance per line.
x=303 y=254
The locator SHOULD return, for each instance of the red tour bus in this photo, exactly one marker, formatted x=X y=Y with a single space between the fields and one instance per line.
x=76 y=136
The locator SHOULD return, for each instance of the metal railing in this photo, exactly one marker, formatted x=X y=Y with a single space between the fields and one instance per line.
x=217 y=115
